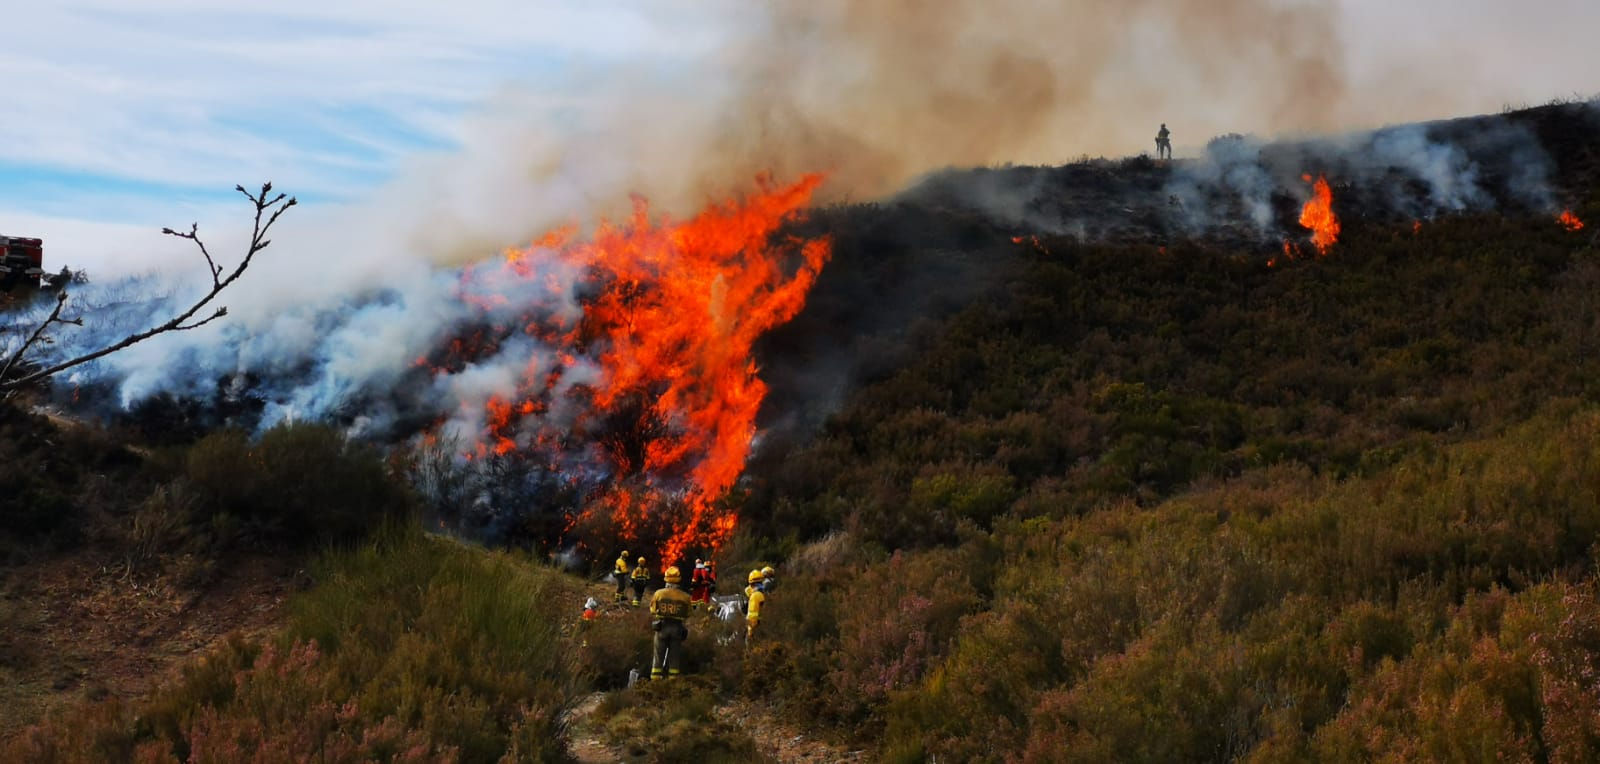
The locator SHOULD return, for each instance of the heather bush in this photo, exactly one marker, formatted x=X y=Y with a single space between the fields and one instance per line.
x=465 y=645
x=972 y=706
x=98 y=733
x=411 y=648
x=1172 y=695
x=50 y=479
x=618 y=643
x=299 y=484
x=1472 y=691
x=950 y=493
x=1283 y=617
x=1568 y=658
x=896 y=620
x=287 y=707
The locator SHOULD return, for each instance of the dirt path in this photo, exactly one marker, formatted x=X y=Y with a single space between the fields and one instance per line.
x=778 y=741
x=81 y=626
x=782 y=742
x=584 y=745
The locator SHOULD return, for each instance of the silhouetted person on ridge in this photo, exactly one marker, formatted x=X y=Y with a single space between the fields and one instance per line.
x=1163 y=142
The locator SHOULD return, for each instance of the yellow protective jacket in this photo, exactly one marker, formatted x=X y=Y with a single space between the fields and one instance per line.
x=622 y=566
x=670 y=603
x=641 y=573
x=755 y=599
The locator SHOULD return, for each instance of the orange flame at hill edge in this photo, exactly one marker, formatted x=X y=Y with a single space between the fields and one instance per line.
x=670 y=312
x=1569 y=221
x=1291 y=251
x=1318 y=217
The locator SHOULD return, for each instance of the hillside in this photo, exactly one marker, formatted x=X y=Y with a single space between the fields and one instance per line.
x=1084 y=470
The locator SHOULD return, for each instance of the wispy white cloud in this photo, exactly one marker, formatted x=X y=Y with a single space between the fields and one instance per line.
x=130 y=113
x=181 y=92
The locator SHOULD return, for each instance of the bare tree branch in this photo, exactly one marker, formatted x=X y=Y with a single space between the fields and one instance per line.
x=194 y=236
x=54 y=317
x=223 y=311
x=271 y=209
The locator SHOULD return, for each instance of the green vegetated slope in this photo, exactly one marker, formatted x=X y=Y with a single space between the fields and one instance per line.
x=1173 y=505
x=1114 y=503
x=1159 y=507
x=1100 y=373
x=412 y=648
x=405 y=647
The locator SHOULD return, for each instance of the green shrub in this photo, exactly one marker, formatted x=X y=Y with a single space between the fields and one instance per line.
x=897 y=620
x=1284 y=617
x=410 y=648
x=618 y=643
x=51 y=478
x=300 y=484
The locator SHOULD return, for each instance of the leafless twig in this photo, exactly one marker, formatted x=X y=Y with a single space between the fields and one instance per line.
x=267 y=213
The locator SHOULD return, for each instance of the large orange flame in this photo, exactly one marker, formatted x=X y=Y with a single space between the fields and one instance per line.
x=670 y=312
x=1318 y=217
x=1569 y=221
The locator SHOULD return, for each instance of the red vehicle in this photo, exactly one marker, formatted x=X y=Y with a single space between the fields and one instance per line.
x=20 y=259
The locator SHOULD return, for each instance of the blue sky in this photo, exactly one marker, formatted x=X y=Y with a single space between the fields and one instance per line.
x=119 y=117
x=147 y=113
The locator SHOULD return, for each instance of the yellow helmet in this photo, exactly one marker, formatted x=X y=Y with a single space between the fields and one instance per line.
x=623 y=556
x=672 y=575
x=641 y=560
x=768 y=572
x=755 y=576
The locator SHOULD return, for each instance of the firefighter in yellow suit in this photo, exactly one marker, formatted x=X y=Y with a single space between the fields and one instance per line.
x=621 y=574
x=669 y=607
x=641 y=576
x=754 y=598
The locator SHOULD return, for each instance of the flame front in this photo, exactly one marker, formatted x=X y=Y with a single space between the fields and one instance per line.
x=1317 y=216
x=656 y=371
x=1569 y=221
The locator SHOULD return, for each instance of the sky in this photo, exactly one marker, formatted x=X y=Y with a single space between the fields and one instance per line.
x=124 y=117
x=462 y=127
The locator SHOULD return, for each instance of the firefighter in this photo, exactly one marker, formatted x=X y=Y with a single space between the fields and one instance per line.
x=591 y=611
x=641 y=576
x=769 y=579
x=621 y=574
x=697 y=585
x=754 y=598
x=1163 y=142
x=668 y=608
